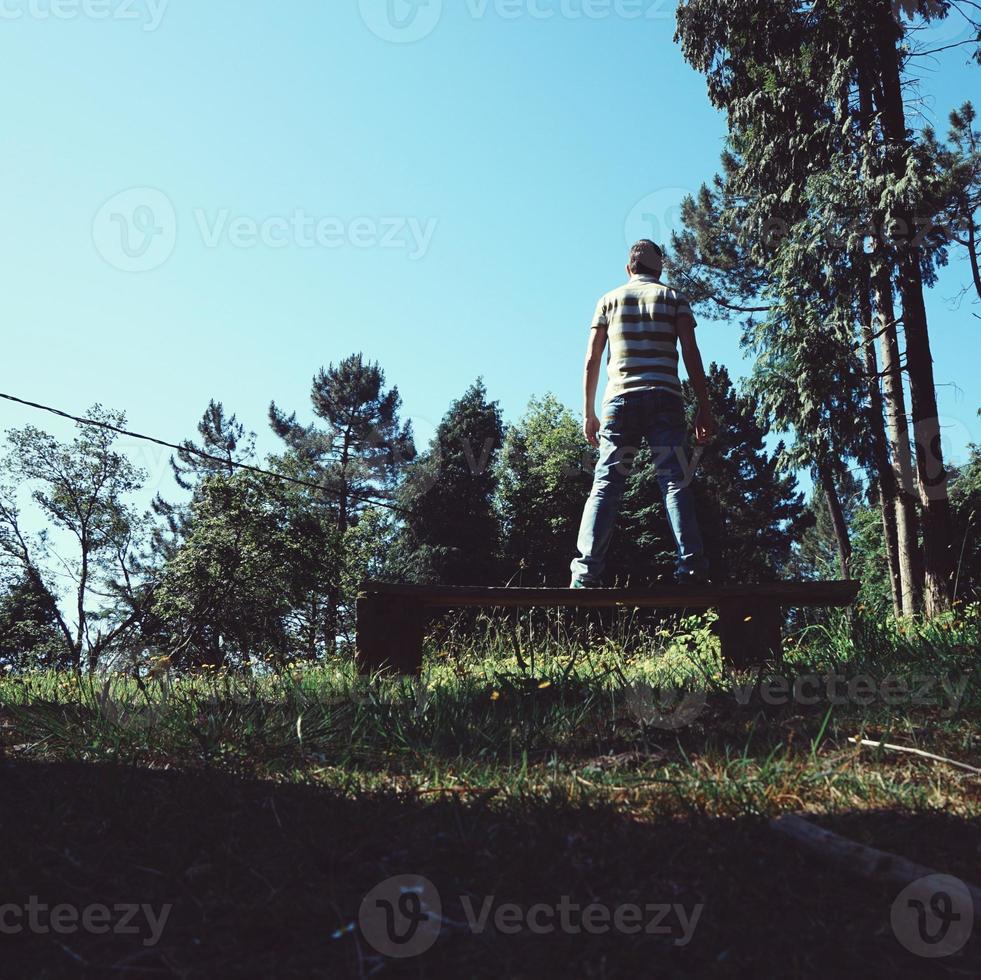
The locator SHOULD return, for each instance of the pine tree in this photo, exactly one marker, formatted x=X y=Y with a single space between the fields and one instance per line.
x=811 y=279
x=224 y=443
x=363 y=448
x=959 y=192
x=452 y=530
x=358 y=455
x=786 y=74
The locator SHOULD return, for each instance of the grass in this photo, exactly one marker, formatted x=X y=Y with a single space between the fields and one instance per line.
x=529 y=763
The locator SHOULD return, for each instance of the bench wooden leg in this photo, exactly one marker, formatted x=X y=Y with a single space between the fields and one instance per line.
x=390 y=634
x=751 y=633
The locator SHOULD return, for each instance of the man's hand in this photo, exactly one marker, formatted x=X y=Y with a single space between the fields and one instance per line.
x=591 y=429
x=705 y=427
x=704 y=423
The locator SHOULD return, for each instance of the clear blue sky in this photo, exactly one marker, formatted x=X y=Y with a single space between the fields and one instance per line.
x=530 y=146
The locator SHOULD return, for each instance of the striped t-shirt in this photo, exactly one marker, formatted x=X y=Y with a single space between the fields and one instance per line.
x=642 y=319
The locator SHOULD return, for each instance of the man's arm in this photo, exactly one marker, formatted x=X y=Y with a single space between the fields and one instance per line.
x=594 y=362
x=704 y=423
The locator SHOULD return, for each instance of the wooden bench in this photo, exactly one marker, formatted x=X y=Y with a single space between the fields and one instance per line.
x=392 y=619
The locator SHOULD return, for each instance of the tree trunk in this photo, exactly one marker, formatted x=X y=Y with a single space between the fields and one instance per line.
x=907 y=518
x=888 y=490
x=908 y=553
x=313 y=628
x=837 y=514
x=890 y=534
x=972 y=248
x=933 y=476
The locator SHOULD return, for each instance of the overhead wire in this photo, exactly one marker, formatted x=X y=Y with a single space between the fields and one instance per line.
x=193 y=451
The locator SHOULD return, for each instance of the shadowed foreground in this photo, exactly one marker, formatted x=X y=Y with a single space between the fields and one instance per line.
x=261 y=875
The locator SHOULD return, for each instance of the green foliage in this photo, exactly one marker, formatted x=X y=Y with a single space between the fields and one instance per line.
x=816 y=554
x=81 y=489
x=30 y=637
x=366 y=549
x=225 y=443
x=258 y=573
x=820 y=153
x=363 y=447
x=965 y=494
x=750 y=512
x=543 y=484
x=956 y=190
x=452 y=530
x=870 y=563
x=480 y=709
x=252 y=558
x=359 y=455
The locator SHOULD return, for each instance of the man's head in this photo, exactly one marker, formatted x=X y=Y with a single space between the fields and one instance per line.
x=646 y=259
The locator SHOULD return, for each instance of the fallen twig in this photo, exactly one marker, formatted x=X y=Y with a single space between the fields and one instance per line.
x=911 y=751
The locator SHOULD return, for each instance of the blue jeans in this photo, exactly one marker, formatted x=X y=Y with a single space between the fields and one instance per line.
x=626 y=420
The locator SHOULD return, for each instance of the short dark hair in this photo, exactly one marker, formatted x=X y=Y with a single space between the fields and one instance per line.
x=647 y=257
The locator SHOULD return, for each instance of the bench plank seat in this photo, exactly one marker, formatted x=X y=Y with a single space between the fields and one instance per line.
x=391 y=619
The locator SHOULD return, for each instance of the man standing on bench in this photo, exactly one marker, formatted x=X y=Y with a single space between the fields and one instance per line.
x=644 y=321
